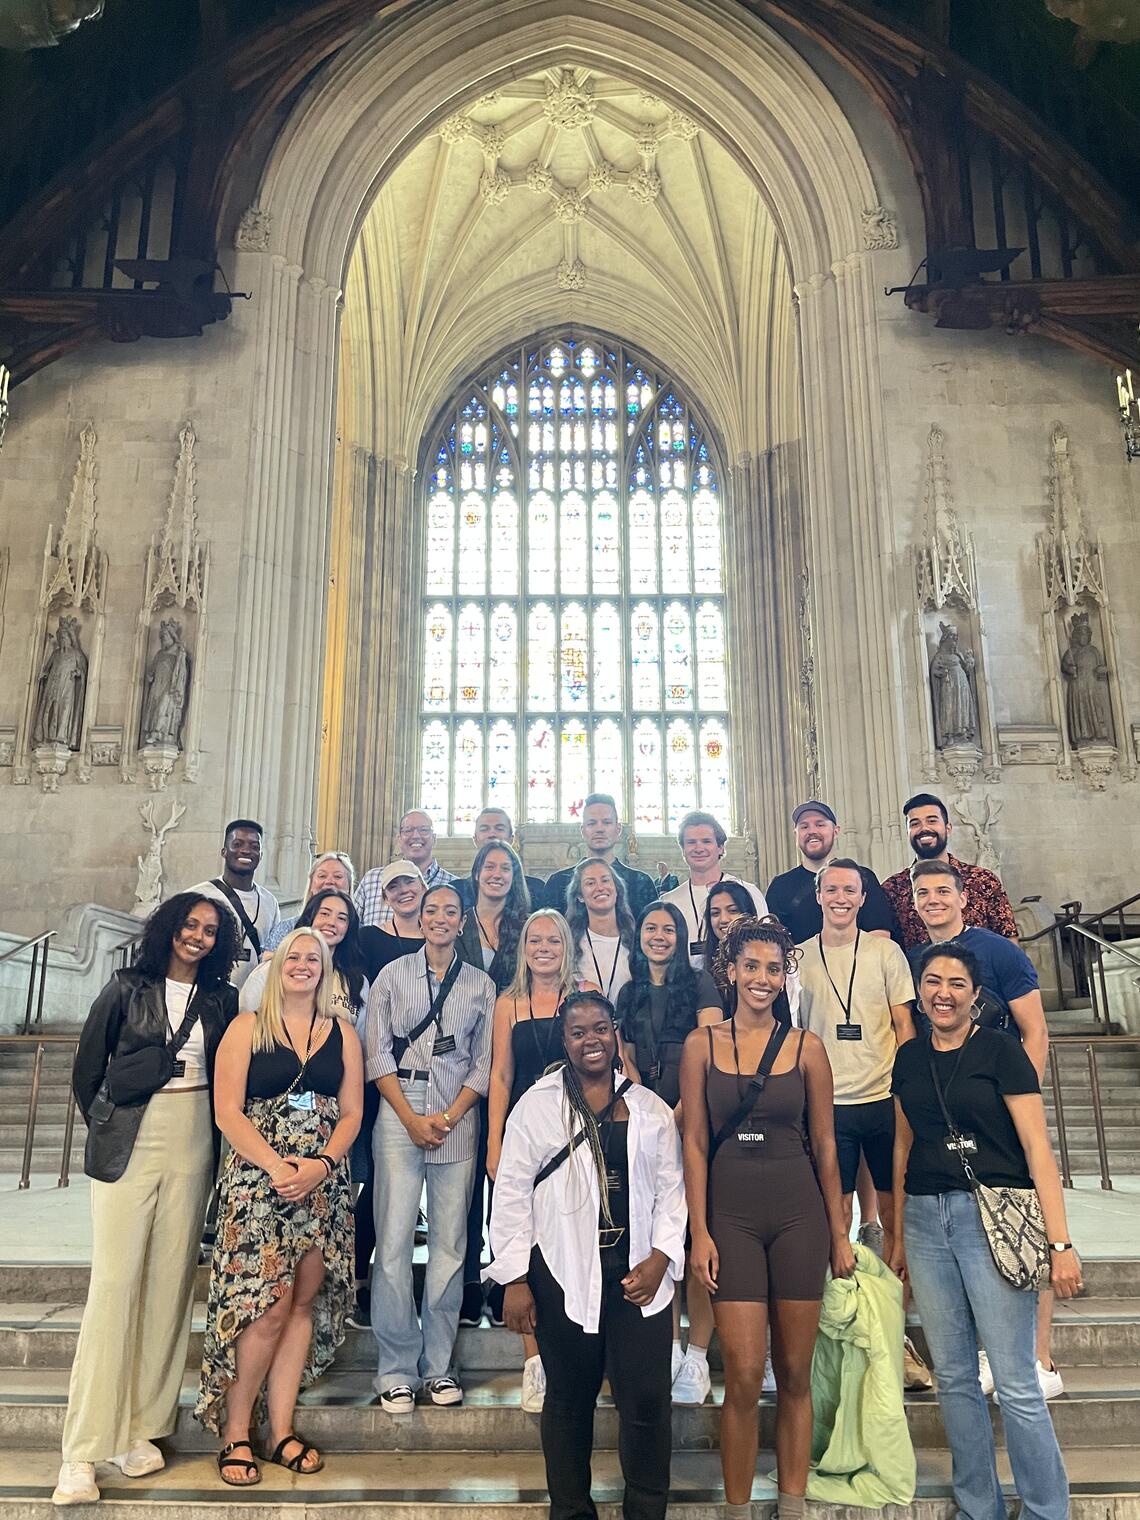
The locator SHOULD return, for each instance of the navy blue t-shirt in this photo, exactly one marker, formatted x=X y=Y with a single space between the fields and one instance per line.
x=1007 y=973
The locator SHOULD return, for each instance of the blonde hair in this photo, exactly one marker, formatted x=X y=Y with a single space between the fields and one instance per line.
x=341 y=859
x=567 y=971
x=269 y=1020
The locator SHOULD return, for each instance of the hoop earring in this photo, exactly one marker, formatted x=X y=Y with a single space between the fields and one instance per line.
x=975 y=1013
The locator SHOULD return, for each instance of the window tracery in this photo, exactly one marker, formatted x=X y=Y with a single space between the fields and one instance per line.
x=573 y=612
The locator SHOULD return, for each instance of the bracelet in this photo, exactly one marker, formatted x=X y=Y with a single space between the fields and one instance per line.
x=447 y=1116
x=1060 y=1245
x=330 y=1164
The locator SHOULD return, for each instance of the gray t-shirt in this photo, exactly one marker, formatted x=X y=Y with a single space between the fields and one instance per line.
x=861 y=1068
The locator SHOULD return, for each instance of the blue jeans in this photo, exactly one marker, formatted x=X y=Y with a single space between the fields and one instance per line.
x=962 y=1298
x=414 y=1351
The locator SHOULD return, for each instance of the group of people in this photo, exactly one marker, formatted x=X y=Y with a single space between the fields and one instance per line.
x=597 y=1097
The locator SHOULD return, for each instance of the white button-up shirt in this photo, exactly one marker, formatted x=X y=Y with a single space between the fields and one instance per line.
x=560 y=1216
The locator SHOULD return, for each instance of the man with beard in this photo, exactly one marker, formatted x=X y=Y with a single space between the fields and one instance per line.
x=792 y=895
x=986 y=905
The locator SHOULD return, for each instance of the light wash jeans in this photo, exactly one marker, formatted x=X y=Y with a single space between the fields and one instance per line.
x=961 y=1299
x=412 y=1352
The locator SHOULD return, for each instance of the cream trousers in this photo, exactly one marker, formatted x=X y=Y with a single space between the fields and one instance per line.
x=146 y=1231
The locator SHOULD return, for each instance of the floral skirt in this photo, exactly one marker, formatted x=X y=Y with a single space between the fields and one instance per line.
x=260 y=1240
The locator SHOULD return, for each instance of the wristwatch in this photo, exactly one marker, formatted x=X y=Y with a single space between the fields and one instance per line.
x=1060 y=1245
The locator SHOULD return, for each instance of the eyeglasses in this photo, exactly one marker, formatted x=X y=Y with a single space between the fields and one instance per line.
x=416 y=833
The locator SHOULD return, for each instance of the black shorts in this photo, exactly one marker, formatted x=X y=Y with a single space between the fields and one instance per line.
x=866 y=1129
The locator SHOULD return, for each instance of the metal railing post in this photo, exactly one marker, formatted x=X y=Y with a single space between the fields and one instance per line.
x=33 y=1106
x=31 y=990
x=68 y=1132
x=1059 y=1111
x=1054 y=945
x=43 y=981
x=1098 y=1119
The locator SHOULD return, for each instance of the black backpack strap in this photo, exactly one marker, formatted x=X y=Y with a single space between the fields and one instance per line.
x=238 y=906
x=572 y=1145
x=401 y=1042
x=755 y=1087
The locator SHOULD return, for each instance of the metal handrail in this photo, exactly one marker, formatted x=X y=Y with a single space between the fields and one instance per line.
x=41 y=1042
x=1089 y=1044
x=39 y=945
x=1082 y=961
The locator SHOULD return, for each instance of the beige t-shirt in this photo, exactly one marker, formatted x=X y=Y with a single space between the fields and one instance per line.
x=861 y=1068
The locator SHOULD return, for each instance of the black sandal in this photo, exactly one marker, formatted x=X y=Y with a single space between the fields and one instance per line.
x=296 y=1464
x=226 y=1459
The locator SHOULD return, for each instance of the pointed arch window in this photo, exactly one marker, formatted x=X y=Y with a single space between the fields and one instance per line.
x=573 y=621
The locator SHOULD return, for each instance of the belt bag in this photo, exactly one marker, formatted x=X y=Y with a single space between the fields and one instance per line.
x=133 y=1078
x=1011 y=1218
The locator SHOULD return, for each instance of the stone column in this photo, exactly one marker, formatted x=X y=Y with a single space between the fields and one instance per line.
x=858 y=668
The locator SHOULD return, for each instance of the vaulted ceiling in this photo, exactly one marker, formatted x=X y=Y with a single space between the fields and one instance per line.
x=569 y=195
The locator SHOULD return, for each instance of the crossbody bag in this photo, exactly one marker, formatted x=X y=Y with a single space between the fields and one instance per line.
x=1011 y=1217
x=755 y=1088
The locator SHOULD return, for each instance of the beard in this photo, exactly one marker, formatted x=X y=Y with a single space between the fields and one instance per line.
x=926 y=851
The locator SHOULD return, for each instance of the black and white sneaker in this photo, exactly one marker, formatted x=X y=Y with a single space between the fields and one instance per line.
x=444 y=1390
x=398 y=1400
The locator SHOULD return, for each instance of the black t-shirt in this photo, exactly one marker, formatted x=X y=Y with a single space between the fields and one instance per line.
x=791 y=897
x=992 y=1067
x=656 y=1037
x=379 y=948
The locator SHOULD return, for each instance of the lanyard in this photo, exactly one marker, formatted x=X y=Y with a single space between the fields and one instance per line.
x=308 y=1044
x=484 y=933
x=846 y=1006
x=541 y=1051
x=597 y=968
x=944 y=1092
x=698 y=917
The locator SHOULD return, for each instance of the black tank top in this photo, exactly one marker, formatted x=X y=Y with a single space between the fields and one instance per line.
x=533 y=1048
x=778 y=1113
x=615 y=1141
x=272 y=1071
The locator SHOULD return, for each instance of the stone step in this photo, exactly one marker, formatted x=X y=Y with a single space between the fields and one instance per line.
x=497 y=1486
x=1101 y=1407
x=1089 y=1332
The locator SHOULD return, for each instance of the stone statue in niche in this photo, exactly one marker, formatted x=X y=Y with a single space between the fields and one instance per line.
x=62 y=689
x=953 y=694
x=165 y=687
x=1086 y=699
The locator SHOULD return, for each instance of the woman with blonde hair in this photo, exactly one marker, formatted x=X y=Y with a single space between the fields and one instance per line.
x=288 y=1096
x=525 y=1043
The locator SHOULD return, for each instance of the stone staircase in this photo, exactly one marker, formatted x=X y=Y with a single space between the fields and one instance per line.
x=483 y=1461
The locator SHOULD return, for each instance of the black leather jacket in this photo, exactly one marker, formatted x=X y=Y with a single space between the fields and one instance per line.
x=128 y=1014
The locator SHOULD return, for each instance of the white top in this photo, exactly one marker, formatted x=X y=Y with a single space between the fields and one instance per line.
x=604 y=960
x=691 y=900
x=194 y=1050
x=560 y=1216
x=264 y=920
x=878 y=978
x=253 y=990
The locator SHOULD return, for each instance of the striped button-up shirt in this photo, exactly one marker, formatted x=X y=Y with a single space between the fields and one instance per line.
x=369 y=895
x=400 y=997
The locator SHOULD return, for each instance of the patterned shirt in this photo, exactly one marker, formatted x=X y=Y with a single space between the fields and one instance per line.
x=987 y=906
x=369 y=895
x=400 y=997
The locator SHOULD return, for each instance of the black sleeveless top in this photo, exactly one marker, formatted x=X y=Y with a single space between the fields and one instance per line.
x=533 y=1049
x=271 y=1072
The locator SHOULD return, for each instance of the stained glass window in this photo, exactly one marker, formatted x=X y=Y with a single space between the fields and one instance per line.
x=573 y=613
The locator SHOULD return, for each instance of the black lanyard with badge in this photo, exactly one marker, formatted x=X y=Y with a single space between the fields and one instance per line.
x=847 y=1030
x=444 y=1043
x=597 y=967
x=696 y=946
x=296 y=1101
x=956 y=1141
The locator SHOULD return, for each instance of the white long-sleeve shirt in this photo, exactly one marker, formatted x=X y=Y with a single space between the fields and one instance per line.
x=560 y=1216
x=691 y=900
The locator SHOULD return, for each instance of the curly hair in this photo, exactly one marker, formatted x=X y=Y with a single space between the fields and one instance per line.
x=166 y=923
x=347 y=957
x=746 y=930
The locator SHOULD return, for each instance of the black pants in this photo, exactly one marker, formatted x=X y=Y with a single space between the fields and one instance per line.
x=633 y=1351
x=480 y=1209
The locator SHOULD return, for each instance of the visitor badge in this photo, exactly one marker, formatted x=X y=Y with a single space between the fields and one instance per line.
x=750 y=1137
x=178 y=1070
x=961 y=1145
x=696 y=948
x=245 y=954
x=848 y=1031
x=653 y=1072
x=613 y=1181
x=302 y=1102
x=444 y=1045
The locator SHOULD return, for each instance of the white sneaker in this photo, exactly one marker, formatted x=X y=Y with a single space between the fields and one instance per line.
x=1050 y=1380
x=675 y=1361
x=534 y=1385
x=769 y=1383
x=76 y=1484
x=144 y=1457
x=916 y=1374
x=985 y=1374
x=692 y=1385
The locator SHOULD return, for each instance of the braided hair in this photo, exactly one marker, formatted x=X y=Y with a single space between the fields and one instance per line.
x=770 y=931
x=574 y=1104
